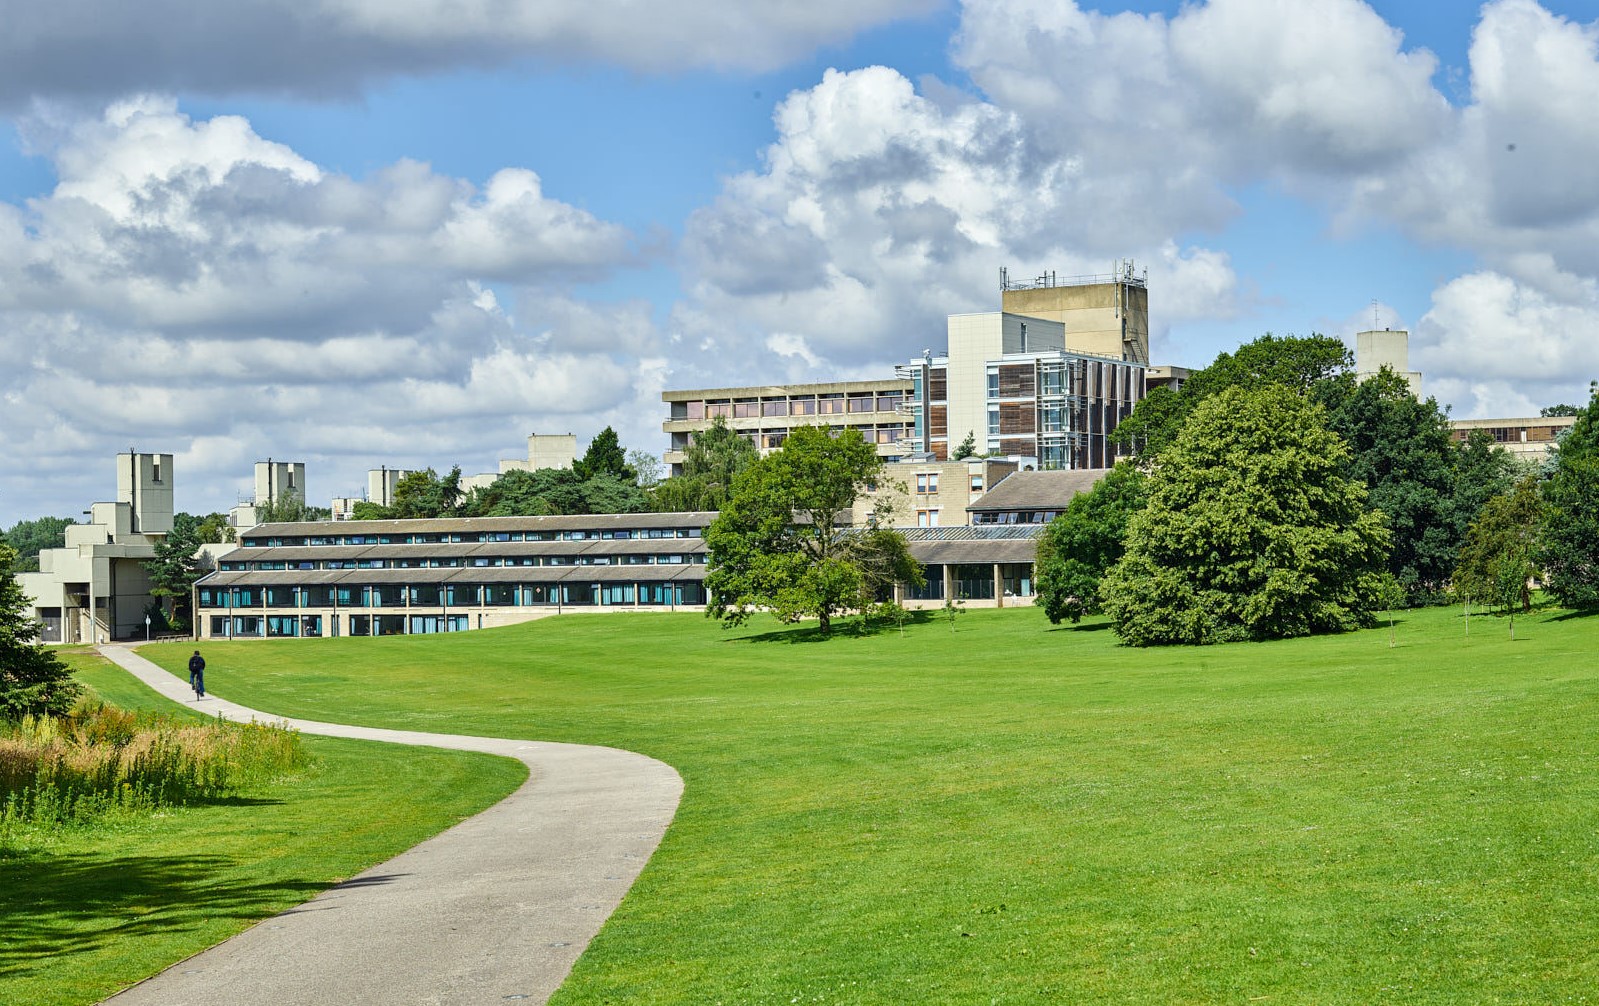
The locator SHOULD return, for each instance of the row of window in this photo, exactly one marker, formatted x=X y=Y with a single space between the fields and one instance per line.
x=454 y=595
x=460 y=562
x=468 y=537
x=835 y=404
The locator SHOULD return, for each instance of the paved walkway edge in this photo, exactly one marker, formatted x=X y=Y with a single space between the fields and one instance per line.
x=497 y=908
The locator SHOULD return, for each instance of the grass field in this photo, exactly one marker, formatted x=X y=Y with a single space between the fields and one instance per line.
x=1015 y=812
x=85 y=911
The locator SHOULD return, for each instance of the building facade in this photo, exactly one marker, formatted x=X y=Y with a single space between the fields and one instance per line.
x=95 y=588
x=1531 y=438
x=1008 y=381
x=1106 y=315
x=932 y=493
x=764 y=415
x=1389 y=348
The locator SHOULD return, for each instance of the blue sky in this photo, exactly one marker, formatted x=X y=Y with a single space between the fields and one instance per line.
x=412 y=238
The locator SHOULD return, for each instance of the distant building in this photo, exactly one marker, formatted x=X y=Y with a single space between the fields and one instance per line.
x=380 y=485
x=933 y=493
x=1530 y=438
x=1105 y=315
x=95 y=587
x=1032 y=497
x=275 y=481
x=765 y=414
x=1389 y=348
x=544 y=450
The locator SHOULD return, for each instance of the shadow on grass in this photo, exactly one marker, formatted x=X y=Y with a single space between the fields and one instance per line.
x=843 y=628
x=1081 y=627
x=1568 y=615
x=52 y=905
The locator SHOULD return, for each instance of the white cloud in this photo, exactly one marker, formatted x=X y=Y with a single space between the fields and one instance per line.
x=101 y=48
x=191 y=286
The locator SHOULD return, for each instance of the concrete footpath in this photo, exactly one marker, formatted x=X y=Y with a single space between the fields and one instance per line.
x=497 y=908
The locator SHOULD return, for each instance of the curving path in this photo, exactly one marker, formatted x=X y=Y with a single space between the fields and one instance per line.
x=497 y=908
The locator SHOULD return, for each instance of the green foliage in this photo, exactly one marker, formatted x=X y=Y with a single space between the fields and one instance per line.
x=552 y=491
x=1250 y=532
x=214 y=529
x=1496 y=561
x=1570 y=549
x=33 y=682
x=30 y=537
x=1079 y=546
x=605 y=456
x=1401 y=449
x=778 y=544
x=288 y=508
x=1549 y=411
x=1483 y=470
x=967 y=448
x=713 y=459
x=646 y=466
x=177 y=566
x=367 y=510
x=425 y=494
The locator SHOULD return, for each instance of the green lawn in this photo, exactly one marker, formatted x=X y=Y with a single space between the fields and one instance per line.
x=84 y=912
x=1019 y=813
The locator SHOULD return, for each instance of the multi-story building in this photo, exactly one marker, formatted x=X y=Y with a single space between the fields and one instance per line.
x=275 y=481
x=95 y=588
x=1531 y=438
x=765 y=415
x=931 y=493
x=380 y=486
x=1105 y=315
x=1009 y=381
x=1389 y=348
x=1031 y=497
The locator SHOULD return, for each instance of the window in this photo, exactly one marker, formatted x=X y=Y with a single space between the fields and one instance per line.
x=993 y=420
x=927 y=518
x=977 y=483
x=830 y=405
x=774 y=407
x=692 y=410
x=714 y=409
x=746 y=408
x=889 y=402
x=993 y=384
x=860 y=403
x=927 y=482
x=804 y=406
x=155 y=470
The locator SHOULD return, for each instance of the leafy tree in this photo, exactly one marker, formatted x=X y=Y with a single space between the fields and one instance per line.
x=425 y=494
x=1562 y=409
x=1298 y=362
x=1401 y=449
x=33 y=681
x=646 y=465
x=367 y=510
x=712 y=460
x=177 y=566
x=215 y=529
x=30 y=537
x=605 y=455
x=1570 y=547
x=967 y=448
x=1483 y=470
x=1080 y=545
x=778 y=543
x=1496 y=562
x=607 y=492
x=1250 y=532
x=288 y=508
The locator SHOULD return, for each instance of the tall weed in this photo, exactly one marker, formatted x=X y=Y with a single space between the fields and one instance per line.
x=102 y=761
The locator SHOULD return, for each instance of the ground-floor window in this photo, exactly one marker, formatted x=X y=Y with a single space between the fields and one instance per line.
x=617 y=593
x=219 y=625
x=310 y=625
x=933 y=589
x=360 y=625
x=577 y=593
x=249 y=625
x=388 y=625
x=282 y=625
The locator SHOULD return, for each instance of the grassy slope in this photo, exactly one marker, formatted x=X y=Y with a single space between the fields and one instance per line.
x=1018 y=813
x=91 y=911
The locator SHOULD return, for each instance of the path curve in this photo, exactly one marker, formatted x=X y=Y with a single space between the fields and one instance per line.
x=497 y=908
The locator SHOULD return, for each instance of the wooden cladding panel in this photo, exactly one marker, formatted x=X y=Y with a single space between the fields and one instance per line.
x=1018 y=445
x=1017 y=381
x=938 y=385
x=1019 y=418
x=938 y=420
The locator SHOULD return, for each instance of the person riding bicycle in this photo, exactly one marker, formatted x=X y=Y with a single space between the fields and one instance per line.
x=197 y=674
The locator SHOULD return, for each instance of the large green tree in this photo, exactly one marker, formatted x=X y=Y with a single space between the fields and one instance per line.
x=1496 y=562
x=30 y=537
x=1401 y=449
x=1085 y=541
x=288 y=508
x=425 y=494
x=1302 y=363
x=1251 y=530
x=32 y=680
x=779 y=545
x=177 y=566
x=1570 y=547
x=605 y=456
x=1483 y=470
x=713 y=459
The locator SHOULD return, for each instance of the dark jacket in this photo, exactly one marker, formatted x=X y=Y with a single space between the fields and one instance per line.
x=196 y=664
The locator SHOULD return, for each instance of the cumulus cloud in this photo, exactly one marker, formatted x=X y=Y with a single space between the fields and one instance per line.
x=192 y=281
x=100 y=48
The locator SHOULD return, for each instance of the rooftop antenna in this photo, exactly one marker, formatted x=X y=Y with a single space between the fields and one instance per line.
x=1374 y=314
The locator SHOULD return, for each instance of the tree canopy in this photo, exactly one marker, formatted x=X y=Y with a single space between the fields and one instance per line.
x=1085 y=541
x=1251 y=530
x=1496 y=562
x=778 y=544
x=33 y=681
x=605 y=456
x=177 y=566
x=713 y=459
x=1570 y=548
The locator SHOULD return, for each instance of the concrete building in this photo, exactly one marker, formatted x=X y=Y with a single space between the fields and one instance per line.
x=1531 y=438
x=1389 y=348
x=765 y=414
x=95 y=587
x=544 y=450
x=933 y=493
x=1031 y=497
x=1105 y=315
x=380 y=485
x=1009 y=380
x=274 y=481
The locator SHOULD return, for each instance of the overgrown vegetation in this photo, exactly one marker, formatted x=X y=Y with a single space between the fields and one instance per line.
x=101 y=762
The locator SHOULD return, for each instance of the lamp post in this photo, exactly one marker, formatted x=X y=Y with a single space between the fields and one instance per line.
x=147 y=628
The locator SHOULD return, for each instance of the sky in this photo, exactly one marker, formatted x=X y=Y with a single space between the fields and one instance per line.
x=357 y=233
